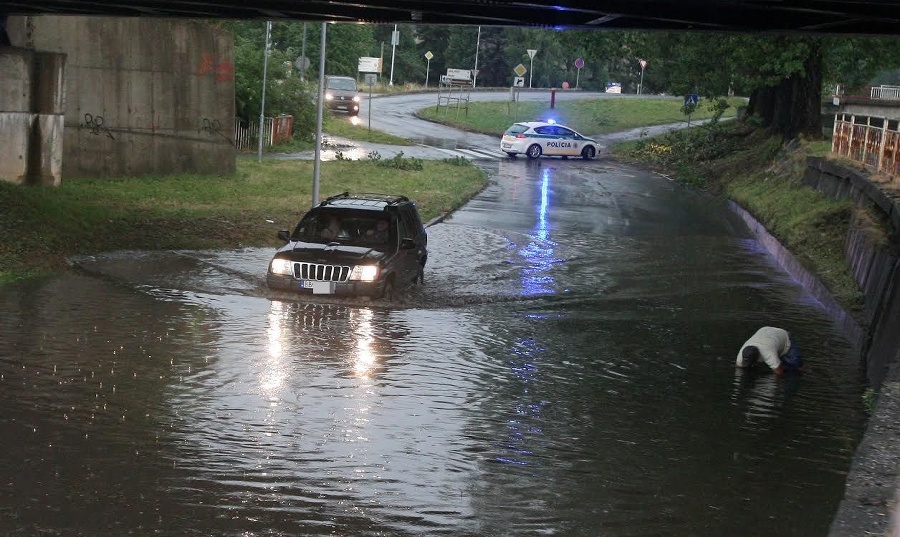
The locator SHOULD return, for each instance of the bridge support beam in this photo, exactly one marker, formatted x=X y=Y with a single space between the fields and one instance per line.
x=32 y=100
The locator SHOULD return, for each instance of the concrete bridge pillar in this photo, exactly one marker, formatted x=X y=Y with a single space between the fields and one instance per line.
x=32 y=105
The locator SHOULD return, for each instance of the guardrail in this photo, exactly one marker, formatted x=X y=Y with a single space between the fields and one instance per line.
x=889 y=93
x=872 y=141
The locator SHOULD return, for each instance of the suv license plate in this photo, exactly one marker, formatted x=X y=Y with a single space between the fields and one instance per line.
x=318 y=288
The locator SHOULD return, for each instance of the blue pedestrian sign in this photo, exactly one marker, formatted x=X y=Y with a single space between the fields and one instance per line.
x=691 y=100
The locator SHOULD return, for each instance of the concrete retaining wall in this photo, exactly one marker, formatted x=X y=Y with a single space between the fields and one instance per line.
x=876 y=264
x=32 y=98
x=144 y=96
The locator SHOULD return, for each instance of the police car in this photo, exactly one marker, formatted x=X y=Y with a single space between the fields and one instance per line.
x=536 y=138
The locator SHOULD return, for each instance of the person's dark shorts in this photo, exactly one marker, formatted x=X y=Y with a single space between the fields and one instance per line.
x=792 y=360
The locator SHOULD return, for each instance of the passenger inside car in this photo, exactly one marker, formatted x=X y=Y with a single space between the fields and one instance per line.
x=332 y=230
x=379 y=234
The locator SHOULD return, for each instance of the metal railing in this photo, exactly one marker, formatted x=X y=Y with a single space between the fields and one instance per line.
x=888 y=93
x=276 y=130
x=872 y=141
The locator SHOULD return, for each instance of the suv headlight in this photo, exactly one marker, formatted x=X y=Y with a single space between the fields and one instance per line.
x=281 y=266
x=356 y=98
x=364 y=273
x=329 y=96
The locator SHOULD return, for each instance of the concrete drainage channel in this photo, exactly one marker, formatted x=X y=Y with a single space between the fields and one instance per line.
x=870 y=504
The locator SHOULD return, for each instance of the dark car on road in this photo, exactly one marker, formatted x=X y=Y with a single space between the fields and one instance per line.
x=353 y=245
x=342 y=93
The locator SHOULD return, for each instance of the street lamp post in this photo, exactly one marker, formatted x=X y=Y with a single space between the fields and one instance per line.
x=395 y=37
x=477 y=46
x=262 y=104
x=317 y=162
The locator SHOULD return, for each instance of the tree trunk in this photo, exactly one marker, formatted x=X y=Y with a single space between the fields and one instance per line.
x=794 y=106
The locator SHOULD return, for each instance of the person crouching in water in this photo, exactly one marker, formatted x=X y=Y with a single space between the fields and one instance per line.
x=774 y=346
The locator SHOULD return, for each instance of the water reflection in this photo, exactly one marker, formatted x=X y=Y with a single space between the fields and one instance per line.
x=524 y=418
x=538 y=254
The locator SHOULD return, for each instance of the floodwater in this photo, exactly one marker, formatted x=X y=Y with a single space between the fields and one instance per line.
x=567 y=369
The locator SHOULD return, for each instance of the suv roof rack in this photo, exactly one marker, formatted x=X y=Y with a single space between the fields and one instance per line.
x=389 y=198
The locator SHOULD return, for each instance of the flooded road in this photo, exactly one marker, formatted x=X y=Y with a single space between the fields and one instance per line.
x=567 y=369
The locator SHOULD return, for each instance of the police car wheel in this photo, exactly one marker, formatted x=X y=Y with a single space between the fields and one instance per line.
x=587 y=153
x=534 y=151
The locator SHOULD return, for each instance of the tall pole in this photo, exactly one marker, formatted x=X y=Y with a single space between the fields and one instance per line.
x=531 y=53
x=531 y=72
x=477 y=46
x=317 y=163
x=303 y=55
x=393 y=53
x=262 y=104
x=641 y=85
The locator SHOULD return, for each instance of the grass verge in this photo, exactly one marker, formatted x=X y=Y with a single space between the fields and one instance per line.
x=43 y=226
x=751 y=166
x=587 y=116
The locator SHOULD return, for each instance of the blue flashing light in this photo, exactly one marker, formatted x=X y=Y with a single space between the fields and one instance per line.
x=551 y=121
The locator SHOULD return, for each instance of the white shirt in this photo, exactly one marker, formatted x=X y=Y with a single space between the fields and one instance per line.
x=773 y=343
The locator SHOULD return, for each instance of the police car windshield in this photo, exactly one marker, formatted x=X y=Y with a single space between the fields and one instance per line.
x=517 y=129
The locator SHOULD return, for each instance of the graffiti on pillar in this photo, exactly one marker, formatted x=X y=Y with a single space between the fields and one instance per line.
x=224 y=71
x=213 y=127
x=95 y=124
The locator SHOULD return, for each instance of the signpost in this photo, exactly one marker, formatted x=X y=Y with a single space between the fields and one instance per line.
x=369 y=65
x=643 y=63
x=531 y=53
x=371 y=78
x=428 y=56
x=579 y=63
x=518 y=82
x=395 y=40
x=690 y=104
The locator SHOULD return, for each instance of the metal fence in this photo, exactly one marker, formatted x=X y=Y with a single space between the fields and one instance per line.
x=886 y=93
x=276 y=130
x=873 y=141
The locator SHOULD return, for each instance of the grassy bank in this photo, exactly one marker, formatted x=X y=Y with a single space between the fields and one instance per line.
x=752 y=167
x=43 y=226
x=587 y=116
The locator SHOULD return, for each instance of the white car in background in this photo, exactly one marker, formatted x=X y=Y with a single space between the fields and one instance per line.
x=536 y=138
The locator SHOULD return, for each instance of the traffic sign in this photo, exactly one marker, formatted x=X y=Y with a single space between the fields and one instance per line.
x=429 y=55
x=519 y=82
x=520 y=70
x=579 y=63
x=531 y=53
x=691 y=100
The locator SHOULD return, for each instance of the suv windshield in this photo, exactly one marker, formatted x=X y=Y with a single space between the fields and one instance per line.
x=362 y=228
x=347 y=84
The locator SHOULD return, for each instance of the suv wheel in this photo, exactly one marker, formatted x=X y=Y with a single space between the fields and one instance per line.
x=534 y=151
x=587 y=153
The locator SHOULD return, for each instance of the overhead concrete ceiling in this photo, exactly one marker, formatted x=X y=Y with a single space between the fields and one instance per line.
x=873 y=17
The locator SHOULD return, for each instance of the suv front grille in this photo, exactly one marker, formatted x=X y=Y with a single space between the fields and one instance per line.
x=321 y=273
